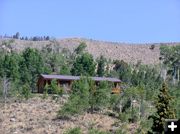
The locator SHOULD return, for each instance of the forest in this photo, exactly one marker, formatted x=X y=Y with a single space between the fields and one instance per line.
x=149 y=93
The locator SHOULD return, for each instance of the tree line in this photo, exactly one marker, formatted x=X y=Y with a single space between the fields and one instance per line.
x=34 y=38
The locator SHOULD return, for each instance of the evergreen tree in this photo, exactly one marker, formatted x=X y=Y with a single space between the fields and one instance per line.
x=164 y=110
x=80 y=49
x=170 y=55
x=54 y=61
x=124 y=70
x=32 y=65
x=92 y=94
x=25 y=91
x=16 y=36
x=84 y=65
x=79 y=99
x=47 y=37
x=10 y=66
x=46 y=89
x=101 y=66
x=25 y=76
x=102 y=95
x=65 y=70
x=55 y=87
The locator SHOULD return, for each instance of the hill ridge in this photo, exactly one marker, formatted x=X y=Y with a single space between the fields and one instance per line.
x=131 y=53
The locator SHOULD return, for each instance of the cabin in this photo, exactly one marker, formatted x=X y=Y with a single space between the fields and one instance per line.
x=66 y=81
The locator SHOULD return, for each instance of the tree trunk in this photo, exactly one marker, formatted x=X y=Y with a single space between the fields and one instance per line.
x=174 y=76
x=178 y=74
x=5 y=85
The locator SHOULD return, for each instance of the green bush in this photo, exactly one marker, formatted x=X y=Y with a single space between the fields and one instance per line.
x=123 y=117
x=144 y=127
x=96 y=131
x=102 y=95
x=85 y=96
x=75 y=130
x=72 y=107
x=25 y=92
x=45 y=93
x=55 y=88
x=121 y=131
x=78 y=101
x=114 y=98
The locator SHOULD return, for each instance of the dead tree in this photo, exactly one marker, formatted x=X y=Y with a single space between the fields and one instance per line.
x=6 y=87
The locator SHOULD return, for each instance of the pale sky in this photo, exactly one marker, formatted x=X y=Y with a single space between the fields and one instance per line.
x=133 y=21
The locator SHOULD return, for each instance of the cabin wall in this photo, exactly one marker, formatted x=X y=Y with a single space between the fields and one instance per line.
x=67 y=85
x=64 y=83
x=40 y=85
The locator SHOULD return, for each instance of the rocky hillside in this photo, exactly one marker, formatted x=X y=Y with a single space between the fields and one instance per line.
x=131 y=53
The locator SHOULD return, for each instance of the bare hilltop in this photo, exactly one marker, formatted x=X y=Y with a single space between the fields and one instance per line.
x=132 y=53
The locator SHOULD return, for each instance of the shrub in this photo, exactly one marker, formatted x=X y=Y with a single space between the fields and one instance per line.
x=134 y=115
x=123 y=117
x=96 y=131
x=55 y=88
x=75 y=130
x=78 y=101
x=114 y=100
x=152 y=47
x=45 y=93
x=25 y=91
x=121 y=131
x=102 y=95
x=99 y=97
x=144 y=127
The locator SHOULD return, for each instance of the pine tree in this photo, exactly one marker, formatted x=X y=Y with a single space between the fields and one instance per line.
x=79 y=99
x=55 y=88
x=65 y=70
x=16 y=36
x=101 y=66
x=164 y=110
x=45 y=93
x=33 y=65
x=80 y=48
x=84 y=65
x=25 y=91
x=10 y=66
x=102 y=95
x=92 y=94
x=123 y=70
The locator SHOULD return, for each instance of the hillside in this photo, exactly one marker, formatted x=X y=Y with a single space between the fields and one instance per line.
x=38 y=116
x=131 y=53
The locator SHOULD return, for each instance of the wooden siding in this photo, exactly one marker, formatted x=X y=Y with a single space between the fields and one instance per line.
x=67 y=82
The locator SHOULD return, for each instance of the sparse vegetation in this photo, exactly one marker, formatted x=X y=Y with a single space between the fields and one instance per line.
x=78 y=101
x=76 y=130
x=139 y=88
x=25 y=92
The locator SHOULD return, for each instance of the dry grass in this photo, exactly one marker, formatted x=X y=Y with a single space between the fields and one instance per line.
x=38 y=116
x=131 y=53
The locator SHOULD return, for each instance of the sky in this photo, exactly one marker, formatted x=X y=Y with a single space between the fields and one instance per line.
x=131 y=21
